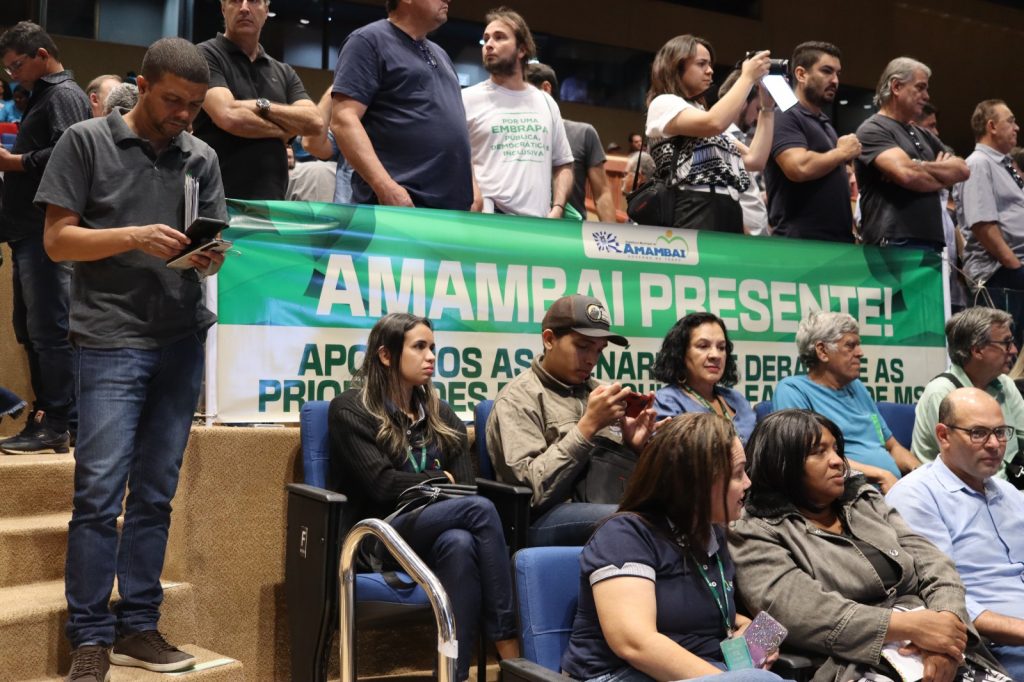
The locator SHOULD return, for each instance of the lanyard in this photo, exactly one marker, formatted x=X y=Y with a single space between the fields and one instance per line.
x=417 y=466
x=723 y=601
x=705 y=403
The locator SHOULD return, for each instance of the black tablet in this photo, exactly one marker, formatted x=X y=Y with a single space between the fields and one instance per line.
x=204 y=229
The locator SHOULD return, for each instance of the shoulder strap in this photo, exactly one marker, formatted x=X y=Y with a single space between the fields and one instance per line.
x=951 y=379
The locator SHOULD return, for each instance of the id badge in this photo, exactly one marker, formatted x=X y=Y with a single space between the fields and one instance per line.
x=737 y=654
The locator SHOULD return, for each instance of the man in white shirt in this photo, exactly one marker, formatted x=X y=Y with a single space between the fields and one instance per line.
x=522 y=162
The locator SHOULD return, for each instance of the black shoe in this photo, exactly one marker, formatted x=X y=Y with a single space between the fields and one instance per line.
x=151 y=651
x=37 y=438
x=89 y=663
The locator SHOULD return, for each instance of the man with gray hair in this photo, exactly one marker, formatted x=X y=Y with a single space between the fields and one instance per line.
x=991 y=209
x=138 y=329
x=829 y=346
x=122 y=96
x=98 y=90
x=902 y=166
x=982 y=349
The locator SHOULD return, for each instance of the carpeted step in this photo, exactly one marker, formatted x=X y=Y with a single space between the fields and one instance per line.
x=32 y=627
x=210 y=667
x=32 y=548
x=35 y=484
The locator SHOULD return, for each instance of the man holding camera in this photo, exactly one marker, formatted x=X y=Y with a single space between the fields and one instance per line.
x=138 y=329
x=808 y=189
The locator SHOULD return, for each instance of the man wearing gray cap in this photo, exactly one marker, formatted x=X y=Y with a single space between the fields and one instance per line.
x=559 y=431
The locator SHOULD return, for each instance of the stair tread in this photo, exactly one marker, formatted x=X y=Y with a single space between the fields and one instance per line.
x=66 y=460
x=205 y=660
x=15 y=524
x=23 y=600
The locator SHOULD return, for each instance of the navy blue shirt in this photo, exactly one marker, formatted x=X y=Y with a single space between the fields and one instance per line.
x=817 y=209
x=414 y=114
x=687 y=613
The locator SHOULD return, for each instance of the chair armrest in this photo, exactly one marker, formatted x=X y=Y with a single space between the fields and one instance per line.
x=794 y=666
x=513 y=505
x=524 y=670
x=314 y=493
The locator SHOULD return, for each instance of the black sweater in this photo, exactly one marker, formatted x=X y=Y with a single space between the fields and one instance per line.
x=368 y=476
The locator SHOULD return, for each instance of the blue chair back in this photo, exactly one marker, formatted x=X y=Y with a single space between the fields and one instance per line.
x=547 y=582
x=483 y=457
x=900 y=419
x=763 y=409
x=316 y=444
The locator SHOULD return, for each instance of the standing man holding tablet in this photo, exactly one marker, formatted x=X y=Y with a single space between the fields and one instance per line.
x=138 y=329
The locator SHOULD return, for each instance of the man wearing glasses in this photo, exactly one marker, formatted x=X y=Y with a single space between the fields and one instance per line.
x=254 y=107
x=991 y=204
x=902 y=166
x=41 y=287
x=980 y=343
x=959 y=504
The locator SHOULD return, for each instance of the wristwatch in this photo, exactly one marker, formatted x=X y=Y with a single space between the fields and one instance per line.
x=263 y=107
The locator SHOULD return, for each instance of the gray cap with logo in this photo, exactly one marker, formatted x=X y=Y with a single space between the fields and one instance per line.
x=585 y=315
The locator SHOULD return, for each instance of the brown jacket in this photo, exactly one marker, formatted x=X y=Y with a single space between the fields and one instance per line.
x=821 y=588
x=533 y=437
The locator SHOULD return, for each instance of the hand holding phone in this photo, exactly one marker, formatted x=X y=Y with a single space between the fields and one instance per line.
x=637 y=403
x=764 y=636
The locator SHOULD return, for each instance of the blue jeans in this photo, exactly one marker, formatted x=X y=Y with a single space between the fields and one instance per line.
x=343 y=182
x=633 y=675
x=462 y=542
x=42 y=291
x=136 y=409
x=1012 y=658
x=568 y=524
x=9 y=402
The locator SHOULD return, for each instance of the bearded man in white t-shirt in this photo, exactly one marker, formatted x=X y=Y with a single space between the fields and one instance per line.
x=522 y=162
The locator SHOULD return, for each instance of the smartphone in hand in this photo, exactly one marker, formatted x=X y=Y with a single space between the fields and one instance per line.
x=764 y=636
x=637 y=403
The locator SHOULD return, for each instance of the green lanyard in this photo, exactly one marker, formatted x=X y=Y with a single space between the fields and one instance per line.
x=417 y=466
x=706 y=404
x=723 y=601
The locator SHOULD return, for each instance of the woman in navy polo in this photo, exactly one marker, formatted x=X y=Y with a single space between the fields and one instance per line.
x=656 y=583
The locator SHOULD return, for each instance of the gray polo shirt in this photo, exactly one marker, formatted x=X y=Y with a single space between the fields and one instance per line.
x=110 y=177
x=989 y=195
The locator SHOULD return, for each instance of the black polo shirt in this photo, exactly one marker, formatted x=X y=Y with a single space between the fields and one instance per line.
x=817 y=209
x=251 y=168
x=56 y=104
x=889 y=211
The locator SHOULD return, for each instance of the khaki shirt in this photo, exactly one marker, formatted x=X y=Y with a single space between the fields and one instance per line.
x=533 y=435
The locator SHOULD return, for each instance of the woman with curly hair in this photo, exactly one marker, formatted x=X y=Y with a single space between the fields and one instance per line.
x=698 y=368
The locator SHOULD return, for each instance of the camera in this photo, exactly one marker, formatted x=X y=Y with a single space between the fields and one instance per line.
x=777 y=67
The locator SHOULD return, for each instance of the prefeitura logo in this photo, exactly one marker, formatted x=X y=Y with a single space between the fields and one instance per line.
x=638 y=243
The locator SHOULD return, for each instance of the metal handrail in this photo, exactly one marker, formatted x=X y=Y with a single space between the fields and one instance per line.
x=447 y=645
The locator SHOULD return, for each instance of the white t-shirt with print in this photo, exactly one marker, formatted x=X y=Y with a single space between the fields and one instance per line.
x=517 y=137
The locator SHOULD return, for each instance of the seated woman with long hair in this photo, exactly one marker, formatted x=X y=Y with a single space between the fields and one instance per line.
x=392 y=432
x=840 y=568
x=698 y=369
x=656 y=584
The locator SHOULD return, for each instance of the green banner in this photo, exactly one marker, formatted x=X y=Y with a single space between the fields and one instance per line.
x=308 y=280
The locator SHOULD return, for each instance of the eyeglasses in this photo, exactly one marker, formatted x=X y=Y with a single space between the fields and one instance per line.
x=254 y=3
x=16 y=66
x=913 y=138
x=981 y=434
x=1007 y=344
